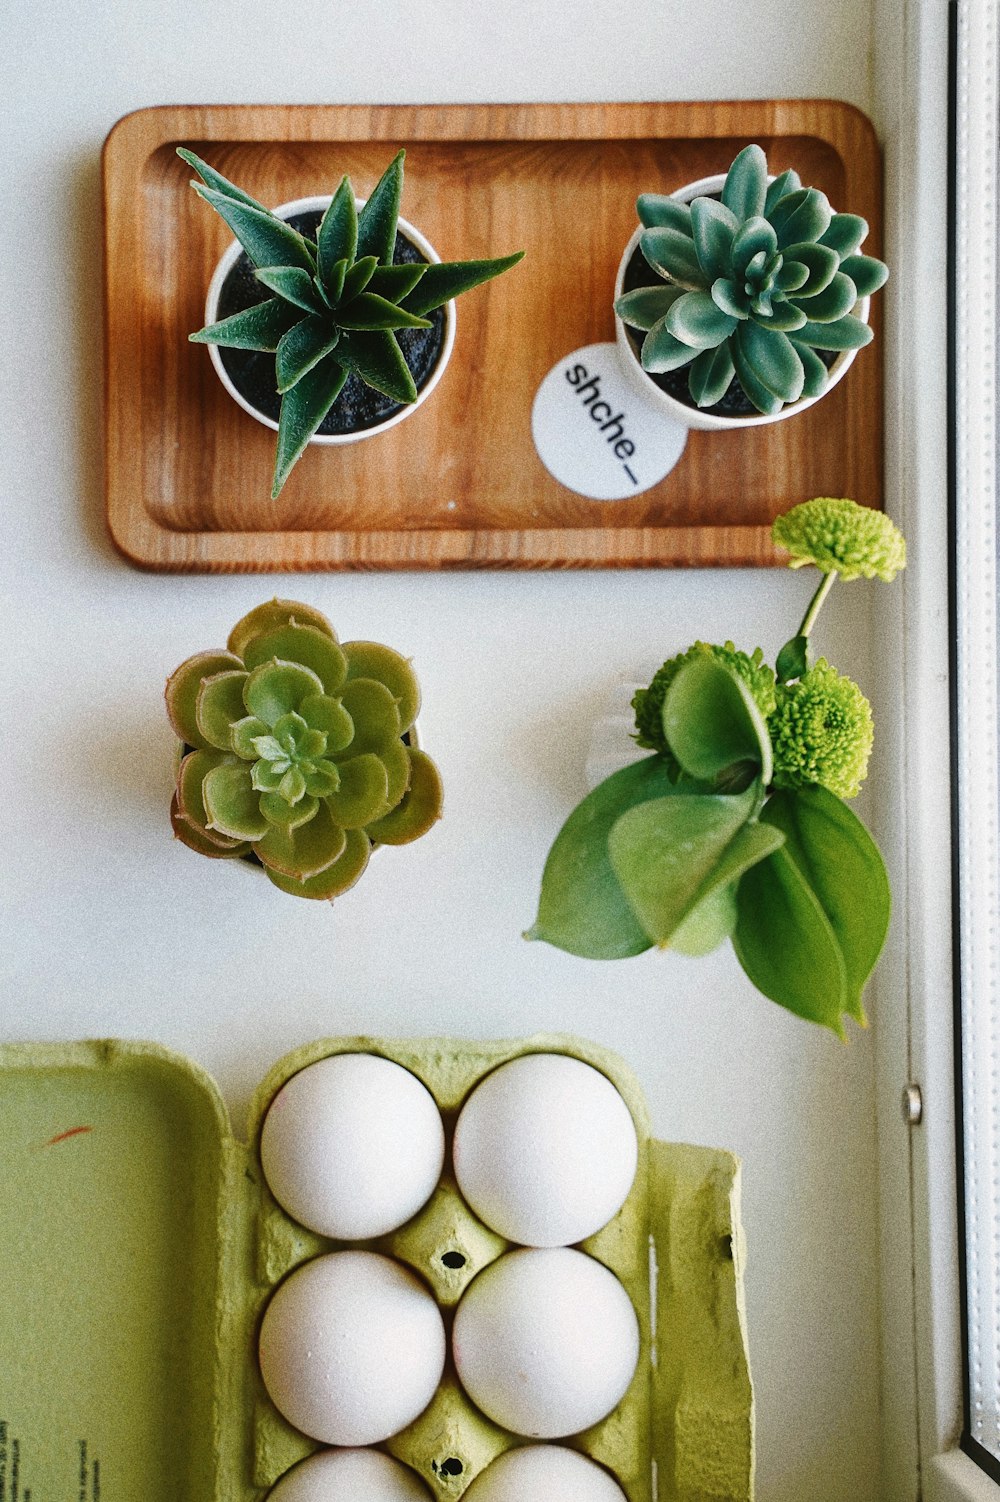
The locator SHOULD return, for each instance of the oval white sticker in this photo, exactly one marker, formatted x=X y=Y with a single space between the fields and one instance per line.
x=595 y=434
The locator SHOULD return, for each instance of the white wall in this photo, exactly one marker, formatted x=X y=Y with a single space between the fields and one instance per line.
x=112 y=929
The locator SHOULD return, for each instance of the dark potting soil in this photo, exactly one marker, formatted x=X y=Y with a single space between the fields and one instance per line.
x=735 y=402
x=358 y=406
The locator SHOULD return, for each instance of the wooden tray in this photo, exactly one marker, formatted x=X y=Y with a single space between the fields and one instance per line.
x=458 y=485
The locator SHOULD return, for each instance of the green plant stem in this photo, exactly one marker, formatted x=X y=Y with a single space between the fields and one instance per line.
x=816 y=603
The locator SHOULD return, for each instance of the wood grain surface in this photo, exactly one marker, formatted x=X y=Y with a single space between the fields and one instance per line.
x=458 y=484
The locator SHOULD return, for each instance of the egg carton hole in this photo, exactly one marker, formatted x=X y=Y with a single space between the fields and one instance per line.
x=453 y=1259
x=450 y=1467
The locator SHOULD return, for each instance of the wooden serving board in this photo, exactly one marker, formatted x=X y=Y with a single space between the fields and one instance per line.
x=458 y=484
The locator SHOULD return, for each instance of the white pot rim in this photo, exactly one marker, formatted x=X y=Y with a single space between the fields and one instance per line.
x=680 y=412
x=228 y=260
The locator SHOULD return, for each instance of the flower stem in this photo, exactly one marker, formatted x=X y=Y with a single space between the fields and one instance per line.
x=816 y=603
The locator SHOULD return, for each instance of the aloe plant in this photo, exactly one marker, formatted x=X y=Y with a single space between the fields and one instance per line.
x=754 y=284
x=294 y=751
x=737 y=826
x=337 y=302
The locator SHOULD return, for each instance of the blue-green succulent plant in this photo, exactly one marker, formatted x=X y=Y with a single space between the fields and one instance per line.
x=754 y=284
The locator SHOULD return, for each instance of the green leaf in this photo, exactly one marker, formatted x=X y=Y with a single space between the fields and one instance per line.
x=337 y=237
x=659 y=210
x=696 y=320
x=832 y=303
x=763 y=399
x=745 y=189
x=305 y=850
x=357 y=278
x=784 y=317
x=303 y=644
x=847 y=333
x=443 y=280
x=395 y=757
x=303 y=408
x=370 y=659
x=275 y=689
x=200 y=840
x=191 y=774
x=755 y=237
x=844 y=234
x=377 y=220
x=276 y=613
x=792 y=275
x=582 y=908
x=330 y=716
x=841 y=863
x=710 y=375
x=213 y=179
x=268 y=241
x=674 y=255
x=662 y=352
x=713 y=227
x=712 y=722
x=232 y=805
x=277 y=810
x=183 y=687
x=808 y=219
x=242 y=735
x=335 y=282
x=820 y=263
x=644 y=306
x=730 y=298
x=708 y=925
x=787 y=182
x=219 y=706
x=817 y=376
x=336 y=878
x=672 y=854
x=395 y=282
x=867 y=273
x=793 y=659
x=785 y=942
x=771 y=357
x=362 y=795
x=302 y=348
x=373 y=708
x=293 y=284
x=378 y=360
x=260 y=327
x=420 y=807
x=369 y=311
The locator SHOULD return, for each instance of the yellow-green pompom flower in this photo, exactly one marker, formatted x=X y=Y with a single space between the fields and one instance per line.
x=839 y=536
x=648 y=702
x=821 y=732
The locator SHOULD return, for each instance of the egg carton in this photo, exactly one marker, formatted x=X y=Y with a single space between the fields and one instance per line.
x=142 y=1247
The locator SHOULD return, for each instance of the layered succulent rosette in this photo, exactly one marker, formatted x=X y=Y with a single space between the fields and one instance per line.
x=296 y=750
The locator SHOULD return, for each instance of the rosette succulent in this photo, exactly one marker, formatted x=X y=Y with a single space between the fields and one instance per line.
x=296 y=751
x=336 y=302
x=736 y=826
x=755 y=284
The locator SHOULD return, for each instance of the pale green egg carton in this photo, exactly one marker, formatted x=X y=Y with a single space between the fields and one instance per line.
x=140 y=1248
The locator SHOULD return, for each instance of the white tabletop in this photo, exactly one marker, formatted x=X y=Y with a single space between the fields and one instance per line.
x=110 y=928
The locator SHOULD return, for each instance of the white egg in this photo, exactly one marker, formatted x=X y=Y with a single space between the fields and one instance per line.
x=352 y=1348
x=546 y=1342
x=352 y=1146
x=350 y=1476
x=545 y=1150
x=541 y=1473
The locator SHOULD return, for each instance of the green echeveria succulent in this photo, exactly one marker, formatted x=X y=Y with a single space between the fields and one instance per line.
x=822 y=732
x=293 y=751
x=648 y=702
x=754 y=285
x=336 y=301
x=839 y=536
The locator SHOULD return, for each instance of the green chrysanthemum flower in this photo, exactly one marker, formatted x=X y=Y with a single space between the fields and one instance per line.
x=822 y=732
x=839 y=536
x=648 y=702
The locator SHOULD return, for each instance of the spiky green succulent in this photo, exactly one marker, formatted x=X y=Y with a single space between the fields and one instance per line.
x=337 y=301
x=754 y=285
x=293 y=751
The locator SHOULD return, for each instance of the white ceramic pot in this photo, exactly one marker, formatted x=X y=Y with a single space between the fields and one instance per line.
x=228 y=261
x=680 y=412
